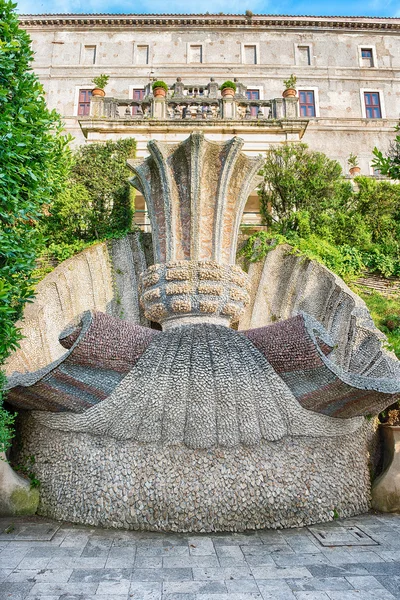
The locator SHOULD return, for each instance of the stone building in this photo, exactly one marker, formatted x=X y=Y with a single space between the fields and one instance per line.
x=347 y=69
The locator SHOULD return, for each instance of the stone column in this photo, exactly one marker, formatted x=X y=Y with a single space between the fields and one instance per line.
x=291 y=107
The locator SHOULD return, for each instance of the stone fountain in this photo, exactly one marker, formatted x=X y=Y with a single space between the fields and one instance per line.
x=200 y=427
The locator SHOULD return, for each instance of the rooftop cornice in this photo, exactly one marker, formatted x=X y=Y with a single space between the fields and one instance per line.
x=206 y=20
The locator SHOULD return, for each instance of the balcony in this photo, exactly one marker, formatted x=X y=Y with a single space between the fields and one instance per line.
x=194 y=103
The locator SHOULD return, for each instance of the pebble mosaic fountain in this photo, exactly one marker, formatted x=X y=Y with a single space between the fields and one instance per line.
x=200 y=427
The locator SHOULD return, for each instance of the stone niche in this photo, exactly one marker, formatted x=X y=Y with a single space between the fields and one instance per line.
x=203 y=427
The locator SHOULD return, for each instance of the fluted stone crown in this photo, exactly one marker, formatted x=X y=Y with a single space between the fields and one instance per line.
x=195 y=193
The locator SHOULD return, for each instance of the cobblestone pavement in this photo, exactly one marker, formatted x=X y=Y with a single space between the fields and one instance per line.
x=41 y=559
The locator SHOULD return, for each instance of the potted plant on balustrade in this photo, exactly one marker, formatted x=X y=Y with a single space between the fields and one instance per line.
x=160 y=89
x=228 y=89
x=100 y=82
x=290 y=87
x=352 y=161
x=386 y=487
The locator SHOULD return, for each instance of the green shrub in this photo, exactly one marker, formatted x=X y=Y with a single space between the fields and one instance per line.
x=34 y=162
x=228 y=84
x=160 y=84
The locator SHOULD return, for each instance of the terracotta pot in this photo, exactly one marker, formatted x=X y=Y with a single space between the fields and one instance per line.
x=159 y=92
x=386 y=488
x=289 y=93
x=354 y=171
x=227 y=92
x=98 y=92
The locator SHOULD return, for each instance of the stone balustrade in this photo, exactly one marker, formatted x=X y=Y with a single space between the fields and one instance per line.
x=198 y=102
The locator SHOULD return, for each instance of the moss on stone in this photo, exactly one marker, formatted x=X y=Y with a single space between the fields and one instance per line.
x=24 y=501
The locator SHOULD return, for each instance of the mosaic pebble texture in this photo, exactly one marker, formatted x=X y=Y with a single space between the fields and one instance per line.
x=203 y=290
x=102 y=481
x=204 y=386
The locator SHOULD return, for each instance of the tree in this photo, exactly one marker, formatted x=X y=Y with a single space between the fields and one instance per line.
x=34 y=162
x=389 y=165
x=98 y=202
x=297 y=179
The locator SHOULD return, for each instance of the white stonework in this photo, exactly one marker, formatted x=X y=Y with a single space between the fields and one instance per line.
x=279 y=45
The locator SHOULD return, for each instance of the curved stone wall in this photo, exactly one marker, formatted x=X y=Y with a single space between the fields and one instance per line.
x=103 y=277
x=97 y=480
x=285 y=284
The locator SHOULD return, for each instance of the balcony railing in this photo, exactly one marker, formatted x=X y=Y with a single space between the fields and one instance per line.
x=194 y=102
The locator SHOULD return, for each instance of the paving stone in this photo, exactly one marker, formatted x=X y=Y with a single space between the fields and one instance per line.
x=337 y=570
x=222 y=573
x=366 y=556
x=77 y=562
x=96 y=575
x=40 y=576
x=146 y=590
x=52 y=589
x=280 y=572
x=51 y=552
x=29 y=562
x=190 y=561
x=114 y=588
x=229 y=556
x=339 y=556
x=148 y=562
x=97 y=547
x=15 y=589
x=360 y=582
x=361 y=595
x=302 y=545
x=162 y=551
x=201 y=546
x=237 y=539
x=319 y=584
x=195 y=587
x=235 y=586
x=311 y=596
x=392 y=583
x=388 y=555
x=242 y=596
x=4 y=573
x=382 y=568
x=180 y=596
x=259 y=560
x=300 y=560
x=172 y=574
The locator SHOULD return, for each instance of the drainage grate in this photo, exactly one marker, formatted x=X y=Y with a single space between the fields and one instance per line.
x=338 y=535
x=31 y=532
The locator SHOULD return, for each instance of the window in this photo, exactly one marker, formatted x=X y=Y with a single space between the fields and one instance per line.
x=84 y=103
x=303 y=55
x=137 y=95
x=195 y=54
x=307 y=103
x=367 y=57
x=89 y=55
x=253 y=95
x=142 y=55
x=372 y=105
x=250 y=55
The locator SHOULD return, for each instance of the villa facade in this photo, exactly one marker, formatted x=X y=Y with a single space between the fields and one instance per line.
x=347 y=70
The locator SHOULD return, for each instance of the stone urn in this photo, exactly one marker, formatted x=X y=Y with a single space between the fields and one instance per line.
x=227 y=92
x=386 y=489
x=159 y=92
x=354 y=171
x=98 y=92
x=289 y=93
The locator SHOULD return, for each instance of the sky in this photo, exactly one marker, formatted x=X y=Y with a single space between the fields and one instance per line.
x=372 y=8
